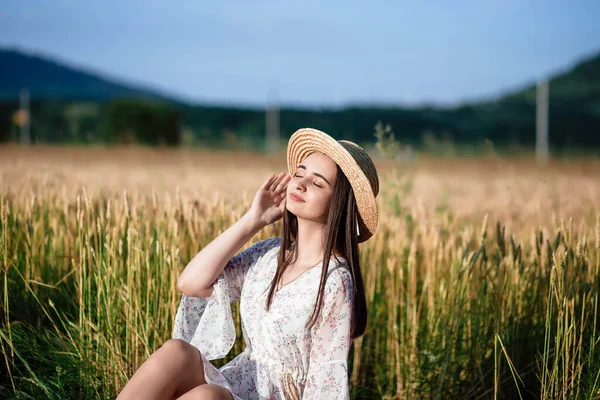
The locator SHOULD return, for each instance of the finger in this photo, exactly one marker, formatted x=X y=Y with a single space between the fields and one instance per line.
x=266 y=184
x=283 y=183
x=281 y=195
x=283 y=198
x=276 y=181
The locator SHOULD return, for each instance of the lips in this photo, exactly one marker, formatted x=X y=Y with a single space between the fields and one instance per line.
x=295 y=197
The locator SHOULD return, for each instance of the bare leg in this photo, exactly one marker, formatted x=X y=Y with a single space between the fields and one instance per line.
x=207 y=392
x=169 y=372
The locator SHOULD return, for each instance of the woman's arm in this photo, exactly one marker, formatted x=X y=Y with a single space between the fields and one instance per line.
x=203 y=270
x=200 y=274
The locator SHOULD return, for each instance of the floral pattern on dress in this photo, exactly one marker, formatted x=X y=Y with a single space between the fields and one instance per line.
x=279 y=347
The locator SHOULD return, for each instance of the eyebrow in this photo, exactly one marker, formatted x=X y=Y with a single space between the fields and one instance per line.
x=316 y=173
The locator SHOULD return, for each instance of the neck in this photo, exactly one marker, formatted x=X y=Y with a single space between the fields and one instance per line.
x=310 y=241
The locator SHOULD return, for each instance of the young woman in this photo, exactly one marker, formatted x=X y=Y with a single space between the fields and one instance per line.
x=302 y=299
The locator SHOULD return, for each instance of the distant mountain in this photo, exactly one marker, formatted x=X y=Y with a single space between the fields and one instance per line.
x=574 y=110
x=581 y=83
x=48 y=79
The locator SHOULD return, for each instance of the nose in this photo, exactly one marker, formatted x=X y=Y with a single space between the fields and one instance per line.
x=301 y=185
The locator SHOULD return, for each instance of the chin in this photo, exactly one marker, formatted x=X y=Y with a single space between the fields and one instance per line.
x=291 y=208
x=300 y=214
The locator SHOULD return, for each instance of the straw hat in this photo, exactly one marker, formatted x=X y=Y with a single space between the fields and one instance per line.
x=353 y=161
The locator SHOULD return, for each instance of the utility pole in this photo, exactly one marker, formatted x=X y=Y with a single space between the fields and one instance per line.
x=541 y=123
x=272 y=121
x=25 y=120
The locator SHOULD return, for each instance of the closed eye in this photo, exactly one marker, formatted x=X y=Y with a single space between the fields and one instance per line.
x=314 y=183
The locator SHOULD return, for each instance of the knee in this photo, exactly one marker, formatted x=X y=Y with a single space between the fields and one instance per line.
x=176 y=345
x=180 y=349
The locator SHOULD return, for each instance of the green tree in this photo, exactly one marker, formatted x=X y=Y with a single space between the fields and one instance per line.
x=137 y=121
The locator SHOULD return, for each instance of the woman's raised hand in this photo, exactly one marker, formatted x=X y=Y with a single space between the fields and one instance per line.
x=269 y=201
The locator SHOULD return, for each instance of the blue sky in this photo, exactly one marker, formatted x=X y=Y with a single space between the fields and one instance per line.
x=312 y=53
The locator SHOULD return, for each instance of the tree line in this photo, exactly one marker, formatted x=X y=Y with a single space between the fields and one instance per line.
x=507 y=122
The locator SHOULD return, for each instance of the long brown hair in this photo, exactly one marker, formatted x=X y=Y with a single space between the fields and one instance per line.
x=342 y=221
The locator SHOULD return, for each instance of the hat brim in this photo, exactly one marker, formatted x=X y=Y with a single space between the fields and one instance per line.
x=306 y=141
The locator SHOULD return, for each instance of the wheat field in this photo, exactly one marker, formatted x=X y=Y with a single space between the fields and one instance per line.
x=482 y=280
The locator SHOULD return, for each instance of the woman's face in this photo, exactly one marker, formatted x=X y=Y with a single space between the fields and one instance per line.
x=311 y=187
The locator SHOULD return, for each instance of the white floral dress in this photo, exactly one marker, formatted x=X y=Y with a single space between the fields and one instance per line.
x=278 y=345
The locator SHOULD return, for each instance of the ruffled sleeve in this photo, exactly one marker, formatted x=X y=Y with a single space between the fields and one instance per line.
x=207 y=323
x=327 y=375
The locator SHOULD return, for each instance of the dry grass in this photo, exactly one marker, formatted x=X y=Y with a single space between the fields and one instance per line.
x=92 y=242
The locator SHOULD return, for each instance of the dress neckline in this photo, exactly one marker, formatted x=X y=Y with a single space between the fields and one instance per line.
x=298 y=277
x=320 y=263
